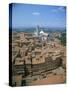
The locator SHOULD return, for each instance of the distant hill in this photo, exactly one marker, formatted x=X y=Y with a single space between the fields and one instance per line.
x=33 y=29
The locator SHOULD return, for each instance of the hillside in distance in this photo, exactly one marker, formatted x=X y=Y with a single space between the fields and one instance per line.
x=33 y=29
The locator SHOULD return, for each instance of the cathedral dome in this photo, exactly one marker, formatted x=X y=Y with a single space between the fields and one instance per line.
x=41 y=32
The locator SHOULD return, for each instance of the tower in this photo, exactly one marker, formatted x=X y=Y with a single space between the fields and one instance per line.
x=37 y=30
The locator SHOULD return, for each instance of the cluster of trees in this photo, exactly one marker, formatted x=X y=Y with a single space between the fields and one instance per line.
x=63 y=39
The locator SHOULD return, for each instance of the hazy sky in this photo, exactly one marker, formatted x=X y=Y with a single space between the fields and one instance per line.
x=27 y=15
